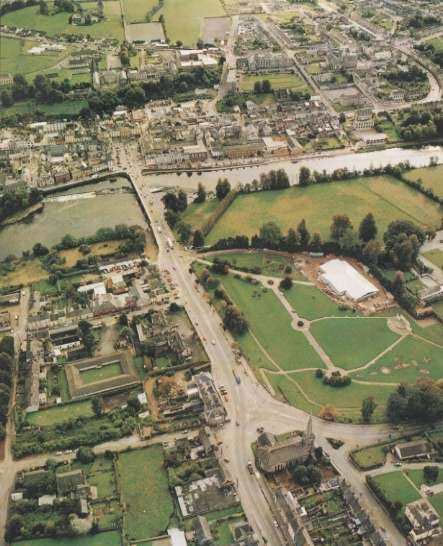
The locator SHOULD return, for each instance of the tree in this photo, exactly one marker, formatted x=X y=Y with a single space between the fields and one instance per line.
x=234 y=320
x=340 y=224
x=270 y=233
x=85 y=455
x=258 y=87
x=6 y=98
x=398 y=285
x=368 y=229
x=198 y=241
x=43 y=8
x=286 y=283
x=303 y=234
x=182 y=201
x=201 y=194
x=134 y=402
x=402 y=243
x=304 y=178
x=7 y=345
x=431 y=473
x=316 y=243
x=171 y=218
x=222 y=188
x=266 y=86
x=300 y=474
x=367 y=409
x=39 y=250
x=185 y=231
x=371 y=252
x=97 y=405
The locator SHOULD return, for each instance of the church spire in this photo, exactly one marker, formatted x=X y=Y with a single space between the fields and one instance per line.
x=309 y=433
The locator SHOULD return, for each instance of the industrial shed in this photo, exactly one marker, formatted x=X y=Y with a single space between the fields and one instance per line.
x=345 y=280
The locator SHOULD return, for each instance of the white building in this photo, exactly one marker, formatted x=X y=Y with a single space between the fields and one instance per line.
x=344 y=280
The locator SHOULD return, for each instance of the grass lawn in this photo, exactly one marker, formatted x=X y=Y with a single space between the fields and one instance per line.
x=197 y=215
x=370 y=456
x=184 y=18
x=15 y=60
x=397 y=488
x=30 y=107
x=417 y=476
x=99 y=374
x=271 y=265
x=408 y=361
x=135 y=10
x=437 y=503
x=101 y=474
x=351 y=343
x=431 y=177
x=58 y=414
x=145 y=493
x=110 y=538
x=271 y=324
x=311 y=303
x=58 y=23
x=25 y=272
x=277 y=81
x=387 y=198
x=435 y=256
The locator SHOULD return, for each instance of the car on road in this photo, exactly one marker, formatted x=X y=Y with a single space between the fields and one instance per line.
x=250 y=467
x=213 y=342
x=398 y=464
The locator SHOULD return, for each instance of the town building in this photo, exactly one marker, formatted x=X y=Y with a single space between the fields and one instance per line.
x=424 y=520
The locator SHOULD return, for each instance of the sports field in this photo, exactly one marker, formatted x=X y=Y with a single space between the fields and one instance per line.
x=110 y=538
x=58 y=414
x=431 y=177
x=58 y=23
x=353 y=342
x=388 y=199
x=144 y=493
x=14 y=58
x=277 y=81
x=184 y=18
x=99 y=374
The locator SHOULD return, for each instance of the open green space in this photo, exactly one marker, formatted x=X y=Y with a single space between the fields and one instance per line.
x=435 y=256
x=58 y=414
x=100 y=373
x=14 y=58
x=271 y=265
x=58 y=23
x=145 y=493
x=437 y=503
x=396 y=488
x=311 y=303
x=388 y=199
x=370 y=457
x=136 y=10
x=110 y=538
x=409 y=360
x=100 y=473
x=353 y=342
x=60 y=109
x=270 y=323
x=184 y=18
x=431 y=177
x=277 y=81
x=417 y=476
x=199 y=214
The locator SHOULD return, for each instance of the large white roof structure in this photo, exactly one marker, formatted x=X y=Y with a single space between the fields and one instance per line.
x=345 y=280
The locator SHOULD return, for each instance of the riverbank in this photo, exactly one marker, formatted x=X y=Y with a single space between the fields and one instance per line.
x=23 y=215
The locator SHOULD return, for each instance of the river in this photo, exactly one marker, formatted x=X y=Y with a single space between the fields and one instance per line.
x=416 y=157
x=79 y=217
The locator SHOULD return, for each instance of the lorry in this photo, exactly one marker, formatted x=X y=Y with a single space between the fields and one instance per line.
x=169 y=242
x=236 y=377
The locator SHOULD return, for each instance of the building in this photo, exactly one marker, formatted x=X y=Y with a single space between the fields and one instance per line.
x=412 y=450
x=273 y=455
x=68 y=482
x=290 y=515
x=214 y=411
x=424 y=520
x=203 y=535
x=345 y=281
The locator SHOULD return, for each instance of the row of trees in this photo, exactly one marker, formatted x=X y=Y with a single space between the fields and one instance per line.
x=6 y=372
x=420 y=402
x=422 y=125
x=17 y=200
x=429 y=50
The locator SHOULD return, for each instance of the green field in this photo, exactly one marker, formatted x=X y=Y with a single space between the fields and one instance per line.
x=369 y=457
x=271 y=265
x=110 y=538
x=435 y=256
x=437 y=43
x=99 y=374
x=199 y=214
x=353 y=342
x=387 y=198
x=58 y=414
x=184 y=18
x=58 y=23
x=417 y=476
x=59 y=109
x=311 y=303
x=408 y=361
x=277 y=81
x=437 y=503
x=135 y=10
x=100 y=473
x=145 y=493
x=271 y=324
x=431 y=177
x=397 y=488
x=15 y=60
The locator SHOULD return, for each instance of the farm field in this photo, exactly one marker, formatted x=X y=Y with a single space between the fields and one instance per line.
x=99 y=374
x=311 y=303
x=346 y=341
x=14 y=58
x=184 y=18
x=144 y=491
x=397 y=488
x=431 y=177
x=386 y=197
x=277 y=81
x=435 y=256
x=58 y=23
x=110 y=538
x=198 y=214
x=409 y=360
x=57 y=414
x=269 y=264
x=135 y=10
